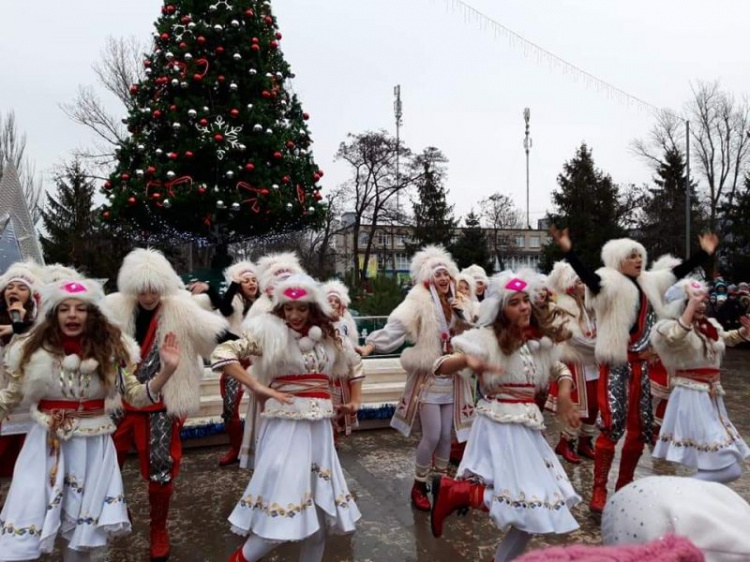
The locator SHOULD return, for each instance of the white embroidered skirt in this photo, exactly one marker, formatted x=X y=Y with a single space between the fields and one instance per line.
x=85 y=505
x=526 y=487
x=296 y=469
x=253 y=421
x=697 y=432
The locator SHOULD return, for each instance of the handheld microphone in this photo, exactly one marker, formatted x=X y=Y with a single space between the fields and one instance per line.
x=15 y=315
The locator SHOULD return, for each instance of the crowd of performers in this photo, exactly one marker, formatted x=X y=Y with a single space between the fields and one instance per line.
x=624 y=349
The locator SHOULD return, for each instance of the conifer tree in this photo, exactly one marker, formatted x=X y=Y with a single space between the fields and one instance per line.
x=472 y=246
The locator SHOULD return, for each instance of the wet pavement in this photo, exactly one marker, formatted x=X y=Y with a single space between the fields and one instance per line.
x=379 y=468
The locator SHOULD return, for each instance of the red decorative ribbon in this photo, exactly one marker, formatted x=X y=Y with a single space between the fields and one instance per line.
x=170 y=185
x=300 y=194
x=252 y=201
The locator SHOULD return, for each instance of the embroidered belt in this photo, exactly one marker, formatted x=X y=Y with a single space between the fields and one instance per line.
x=304 y=386
x=62 y=414
x=707 y=376
x=521 y=393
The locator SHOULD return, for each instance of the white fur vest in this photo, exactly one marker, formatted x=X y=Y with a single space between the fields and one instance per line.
x=616 y=307
x=196 y=330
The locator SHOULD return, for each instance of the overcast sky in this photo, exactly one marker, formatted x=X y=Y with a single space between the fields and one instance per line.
x=463 y=89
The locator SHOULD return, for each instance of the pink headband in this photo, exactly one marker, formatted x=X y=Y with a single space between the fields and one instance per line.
x=516 y=285
x=295 y=293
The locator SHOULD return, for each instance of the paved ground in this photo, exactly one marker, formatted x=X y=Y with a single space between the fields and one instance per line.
x=379 y=468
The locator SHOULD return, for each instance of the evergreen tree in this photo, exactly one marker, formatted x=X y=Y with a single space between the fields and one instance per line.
x=219 y=148
x=472 y=246
x=433 y=217
x=587 y=202
x=663 y=220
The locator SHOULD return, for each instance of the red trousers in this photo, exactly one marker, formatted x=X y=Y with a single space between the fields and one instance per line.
x=144 y=432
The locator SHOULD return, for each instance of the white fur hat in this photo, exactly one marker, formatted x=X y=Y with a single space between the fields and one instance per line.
x=478 y=273
x=678 y=294
x=504 y=285
x=86 y=290
x=469 y=280
x=562 y=277
x=57 y=272
x=146 y=269
x=301 y=288
x=617 y=251
x=430 y=259
x=336 y=288
x=239 y=270
x=275 y=267
x=22 y=272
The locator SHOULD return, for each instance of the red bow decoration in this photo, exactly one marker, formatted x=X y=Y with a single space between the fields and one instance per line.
x=204 y=63
x=707 y=329
x=300 y=194
x=252 y=201
x=168 y=186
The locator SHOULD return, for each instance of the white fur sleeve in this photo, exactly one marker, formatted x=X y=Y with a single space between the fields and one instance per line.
x=473 y=342
x=205 y=328
x=668 y=333
x=390 y=337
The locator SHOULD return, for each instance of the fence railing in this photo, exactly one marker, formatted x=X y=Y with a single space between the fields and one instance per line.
x=368 y=324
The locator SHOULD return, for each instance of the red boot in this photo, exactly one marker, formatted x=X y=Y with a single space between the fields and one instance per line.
x=604 y=455
x=565 y=450
x=419 y=497
x=631 y=453
x=457 y=452
x=158 y=497
x=450 y=495
x=234 y=431
x=586 y=448
x=237 y=556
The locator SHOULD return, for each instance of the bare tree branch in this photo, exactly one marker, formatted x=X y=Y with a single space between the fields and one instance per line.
x=500 y=215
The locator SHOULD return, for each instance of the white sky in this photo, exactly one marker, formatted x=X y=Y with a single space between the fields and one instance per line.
x=463 y=89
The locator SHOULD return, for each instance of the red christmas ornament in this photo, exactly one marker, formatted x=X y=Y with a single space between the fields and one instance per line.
x=286 y=179
x=201 y=40
x=188 y=154
x=183 y=45
x=249 y=13
x=203 y=122
x=164 y=36
x=197 y=77
x=218 y=137
x=279 y=35
x=266 y=94
x=264 y=191
x=274 y=44
x=156 y=114
x=268 y=20
x=125 y=177
x=172 y=156
x=105 y=215
x=132 y=201
x=255 y=40
x=170 y=9
x=172 y=108
x=151 y=170
x=221 y=78
x=277 y=155
x=147 y=63
x=156 y=195
x=107 y=185
x=290 y=144
x=255 y=47
x=201 y=189
x=219 y=50
x=317 y=196
x=320 y=173
x=235 y=113
x=133 y=89
x=185 y=20
x=249 y=166
x=305 y=116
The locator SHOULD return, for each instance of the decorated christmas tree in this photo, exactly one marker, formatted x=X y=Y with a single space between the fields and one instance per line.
x=219 y=149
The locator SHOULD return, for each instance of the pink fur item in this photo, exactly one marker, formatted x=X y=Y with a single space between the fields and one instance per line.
x=669 y=549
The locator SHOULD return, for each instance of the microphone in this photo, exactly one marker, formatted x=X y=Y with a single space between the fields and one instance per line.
x=15 y=315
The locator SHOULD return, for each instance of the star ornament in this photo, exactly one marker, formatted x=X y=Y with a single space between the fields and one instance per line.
x=295 y=293
x=516 y=285
x=73 y=288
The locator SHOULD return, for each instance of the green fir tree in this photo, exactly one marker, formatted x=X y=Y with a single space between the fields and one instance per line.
x=433 y=217
x=472 y=246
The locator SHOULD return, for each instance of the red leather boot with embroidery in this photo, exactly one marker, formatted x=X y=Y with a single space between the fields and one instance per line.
x=449 y=495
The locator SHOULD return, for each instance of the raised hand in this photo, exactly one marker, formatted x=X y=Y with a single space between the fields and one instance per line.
x=198 y=287
x=709 y=242
x=561 y=238
x=169 y=353
x=480 y=367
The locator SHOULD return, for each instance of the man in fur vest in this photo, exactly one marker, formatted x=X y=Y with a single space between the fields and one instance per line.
x=151 y=303
x=626 y=299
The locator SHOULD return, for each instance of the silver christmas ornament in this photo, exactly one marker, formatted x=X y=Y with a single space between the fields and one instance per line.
x=141 y=148
x=220 y=204
x=218 y=27
x=159 y=151
x=184 y=85
x=311 y=209
x=191 y=25
x=139 y=173
x=257 y=127
x=269 y=131
x=233 y=87
x=147 y=71
x=235 y=206
x=269 y=75
x=279 y=75
x=235 y=23
x=169 y=55
x=192 y=113
x=188 y=57
x=229 y=174
x=170 y=174
x=205 y=109
x=241 y=147
x=275 y=186
x=249 y=106
x=175 y=82
x=253 y=72
x=176 y=126
x=237 y=56
x=167 y=203
x=289 y=206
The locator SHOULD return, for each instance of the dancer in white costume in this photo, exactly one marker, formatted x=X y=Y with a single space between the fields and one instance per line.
x=508 y=468
x=466 y=284
x=338 y=297
x=428 y=318
x=297 y=491
x=697 y=432
x=67 y=480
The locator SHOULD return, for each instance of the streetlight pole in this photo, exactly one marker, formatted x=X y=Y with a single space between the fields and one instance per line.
x=527 y=146
x=687 y=189
x=398 y=111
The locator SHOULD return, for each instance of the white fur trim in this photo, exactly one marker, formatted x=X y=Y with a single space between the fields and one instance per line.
x=616 y=251
x=478 y=273
x=86 y=290
x=498 y=292
x=470 y=281
x=55 y=272
x=274 y=266
x=312 y=290
x=71 y=362
x=239 y=270
x=339 y=290
x=24 y=272
x=424 y=263
x=562 y=277
x=667 y=261
x=89 y=366
x=315 y=333
x=144 y=269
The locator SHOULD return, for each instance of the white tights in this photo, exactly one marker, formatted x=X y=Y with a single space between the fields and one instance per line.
x=723 y=475
x=437 y=422
x=312 y=548
x=512 y=546
x=70 y=555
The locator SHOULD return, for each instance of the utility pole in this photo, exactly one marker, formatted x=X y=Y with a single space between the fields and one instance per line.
x=398 y=111
x=687 y=189
x=527 y=147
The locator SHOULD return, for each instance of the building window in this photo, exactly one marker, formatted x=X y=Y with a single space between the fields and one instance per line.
x=520 y=241
x=381 y=239
x=402 y=262
x=535 y=242
x=364 y=238
x=400 y=240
